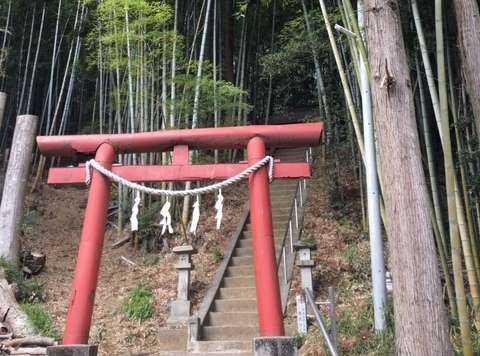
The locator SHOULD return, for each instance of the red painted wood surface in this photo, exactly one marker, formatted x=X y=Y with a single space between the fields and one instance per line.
x=294 y=135
x=269 y=304
x=76 y=175
x=82 y=294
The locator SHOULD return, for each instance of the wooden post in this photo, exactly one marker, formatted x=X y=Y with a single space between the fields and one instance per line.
x=3 y=105
x=11 y=208
x=301 y=314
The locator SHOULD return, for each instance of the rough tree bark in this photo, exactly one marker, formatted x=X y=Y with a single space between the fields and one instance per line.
x=11 y=208
x=468 y=29
x=421 y=326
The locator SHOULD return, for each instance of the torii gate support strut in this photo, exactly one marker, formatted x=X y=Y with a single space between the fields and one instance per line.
x=257 y=139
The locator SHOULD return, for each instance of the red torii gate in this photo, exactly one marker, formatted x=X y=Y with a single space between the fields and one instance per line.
x=255 y=138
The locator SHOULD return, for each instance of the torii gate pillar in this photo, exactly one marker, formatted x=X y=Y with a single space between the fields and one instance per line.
x=270 y=316
x=82 y=296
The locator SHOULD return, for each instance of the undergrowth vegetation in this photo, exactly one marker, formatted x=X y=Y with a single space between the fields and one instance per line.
x=31 y=295
x=28 y=290
x=342 y=259
x=42 y=322
x=140 y=304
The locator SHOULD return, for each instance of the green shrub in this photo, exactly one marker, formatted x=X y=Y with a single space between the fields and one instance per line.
x=299 y=340
x=361 y=324
x=217 y=255
x=358 y=261
x=12 y=274
x=29 y=290
x=42 y=322
x=140 y=304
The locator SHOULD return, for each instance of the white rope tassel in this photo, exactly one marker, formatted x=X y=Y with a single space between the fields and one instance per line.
x=195 y=216
x=133 y=217
x=219 y=208
x=182 y=193
x=166 y=221
x=270 y=168
x=88 y=172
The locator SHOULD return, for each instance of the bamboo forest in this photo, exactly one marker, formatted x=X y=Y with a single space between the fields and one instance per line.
x=240 y=177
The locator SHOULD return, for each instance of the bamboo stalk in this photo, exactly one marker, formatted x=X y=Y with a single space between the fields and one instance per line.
x=437 y=220
x=456 y=241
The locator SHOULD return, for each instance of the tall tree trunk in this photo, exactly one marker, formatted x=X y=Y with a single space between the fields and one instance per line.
x=196 y=103
x=174 y=68
x=270 y=77
x=421 y=325
x=321 y=94
x=229 y=45
x=458 y=238
x=3 y=51
x=27 y=63
x=468 y=29
x=34 y=70
x=440 y=233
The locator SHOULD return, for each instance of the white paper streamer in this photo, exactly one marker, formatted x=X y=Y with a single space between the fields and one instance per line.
x=195 y=216
x=166 y=221
x=219 y=208
x=133 y=217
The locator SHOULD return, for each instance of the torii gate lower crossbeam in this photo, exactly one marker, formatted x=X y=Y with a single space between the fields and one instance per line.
x=255 y=138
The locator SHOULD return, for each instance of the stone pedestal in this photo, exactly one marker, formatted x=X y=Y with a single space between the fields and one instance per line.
x=72 y=350
x=181 y=307
x=274 y=346
x=305 y=263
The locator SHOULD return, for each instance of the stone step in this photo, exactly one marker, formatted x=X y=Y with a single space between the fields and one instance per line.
x=295 y=156
x=229 y=318
x=247 y=242
x=240 y=271
x=237 y=293
x=236 y=282
x=284 y=183
x=278 y=191
x=227 y=347
x=243 y=251
x=282 y=190
x=279 y=227
x=172 y=339
x=242 y=261
x=283 y=210
x=246 y=234
x=235 y=305
x=300 y=153
x=229 y=332
x=217 y=353
x=282 y=201
x=282 y=207
x=247 y=251
x=281 y=217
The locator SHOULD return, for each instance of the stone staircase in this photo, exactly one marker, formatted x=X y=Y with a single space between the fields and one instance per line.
x=231 y=322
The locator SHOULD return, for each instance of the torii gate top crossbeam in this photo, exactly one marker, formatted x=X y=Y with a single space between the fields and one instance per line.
x=292 y=135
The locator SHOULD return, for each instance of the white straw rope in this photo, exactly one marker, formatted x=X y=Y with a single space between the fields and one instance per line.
x=171 y=193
